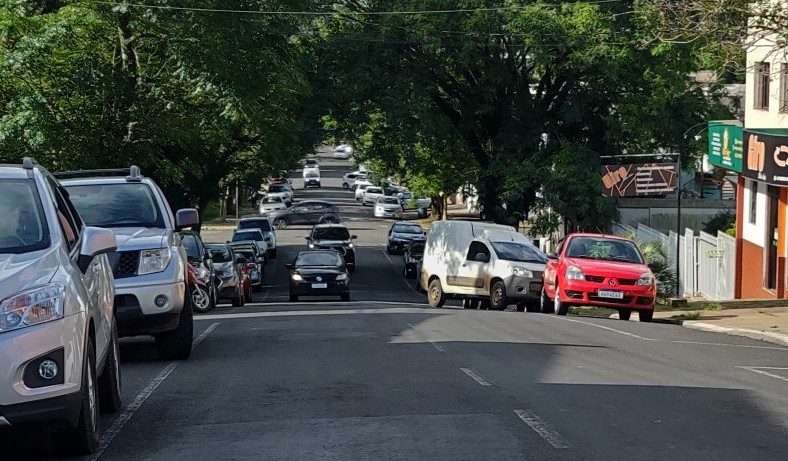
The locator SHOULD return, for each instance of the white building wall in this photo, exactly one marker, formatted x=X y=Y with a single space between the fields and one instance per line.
x=755 y=233
x=764 y=50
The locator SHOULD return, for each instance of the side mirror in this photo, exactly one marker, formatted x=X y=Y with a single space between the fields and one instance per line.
x=307 y=238
x=186 y=217
x=95 y=241
x=353 y=237
x=481 y=257
x=552 y=255
x=290 y=266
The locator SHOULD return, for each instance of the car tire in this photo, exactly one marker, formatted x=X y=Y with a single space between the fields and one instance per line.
x=410 y=273
x=545 y=303
x=110 y=385
x=435 y=295
x=345 y=185
x=646 y=316
x=499 y=300
x=272 y=254
x=559 y=307
x=257 y=288
x=470 y=303
x=201 y=299
x=624 y=314
x=345 y=297
x=84 y=438
x=238 y=301
x=351 y=268
x=328 y=220
x=293 y=298
x=177 y=344
x=521 y=307
x=280 y=223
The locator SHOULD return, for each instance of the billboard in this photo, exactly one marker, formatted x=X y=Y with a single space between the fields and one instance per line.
x=766 y=157
x=639 y=180
x=726 y=145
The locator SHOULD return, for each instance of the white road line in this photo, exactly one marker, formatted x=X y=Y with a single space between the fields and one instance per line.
x=437 y=346
x=404 y=282
x=540 y=427
x=475 y=376
x=109 y=435
x=771 y=375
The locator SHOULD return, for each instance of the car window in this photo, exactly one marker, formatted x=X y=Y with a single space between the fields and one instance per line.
x=389 y=200
x=261 y=224
x=247 y=235
x=116 y=205
x=476 y=248
x=220 y=253
x=23 y=227
x=314 y=258
x=604 y=248
x=374 y=190
x=407 y=229
x=66 y=220
x=276 y=189
x=517 y=251
x=272 y=200
x=330 y=233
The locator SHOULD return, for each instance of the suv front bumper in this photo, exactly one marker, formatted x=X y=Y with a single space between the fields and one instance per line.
x=137 y=313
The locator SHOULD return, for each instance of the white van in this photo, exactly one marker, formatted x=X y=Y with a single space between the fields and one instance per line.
x=484 y=264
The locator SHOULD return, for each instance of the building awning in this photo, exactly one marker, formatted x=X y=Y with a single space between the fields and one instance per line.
x=766 y=155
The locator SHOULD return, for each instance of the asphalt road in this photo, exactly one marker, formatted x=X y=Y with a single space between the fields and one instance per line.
x=384 y=377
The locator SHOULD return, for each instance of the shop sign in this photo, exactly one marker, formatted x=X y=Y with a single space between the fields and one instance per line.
x=766 y=156
x=639 y=180
x=726 y=145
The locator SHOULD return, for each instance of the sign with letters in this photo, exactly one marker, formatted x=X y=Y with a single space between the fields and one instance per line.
x=639 y=180
x=766 y=156
x=726 y=145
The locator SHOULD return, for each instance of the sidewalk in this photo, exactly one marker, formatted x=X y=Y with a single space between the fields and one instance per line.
x=765 y=324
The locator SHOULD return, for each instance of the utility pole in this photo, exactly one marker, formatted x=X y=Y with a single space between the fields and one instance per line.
x=678 y=224
x=237 y=204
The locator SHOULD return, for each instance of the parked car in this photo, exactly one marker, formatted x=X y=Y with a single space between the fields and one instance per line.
x=313 y=168
x=58 y=333
x=319 y=273
x=482 y=263
x=270 y=203
x=341 y=153
x=283 y=191
x=334 y=237
x=388 y=207
x=230 y=278
x=312 y=161
x=204 y=295
x=263 y=224
x=255 y=261
x=349 y=179
x=371 y=195
x=401 y=234
x=252 y=234
x=306 y=212
x=359 y=187
x=152 y=296
x=312 y=179
x=414 y=251
x=599 y=270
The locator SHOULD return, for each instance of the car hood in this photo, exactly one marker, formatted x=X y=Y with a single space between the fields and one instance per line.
x=332 y=242
x=21 y=272
x=140 y=238
x=408 y=237
x=605 y=268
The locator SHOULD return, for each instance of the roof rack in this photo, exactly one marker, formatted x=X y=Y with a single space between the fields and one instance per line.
x=28 y=163
x=133 y=173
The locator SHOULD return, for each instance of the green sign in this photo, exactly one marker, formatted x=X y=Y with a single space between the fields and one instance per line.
x=726 y=144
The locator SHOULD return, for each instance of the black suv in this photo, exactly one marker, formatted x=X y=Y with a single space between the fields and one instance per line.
x=306 y=212
x=334 y=237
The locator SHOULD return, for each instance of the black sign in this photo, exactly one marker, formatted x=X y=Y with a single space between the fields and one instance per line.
x=766 y=157
x=641 y=180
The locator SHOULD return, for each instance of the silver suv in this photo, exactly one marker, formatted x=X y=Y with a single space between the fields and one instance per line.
x=58 y=336
x=152 y=294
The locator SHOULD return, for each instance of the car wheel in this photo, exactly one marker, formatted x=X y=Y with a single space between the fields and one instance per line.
x=280 y=223
x=257 y=288
x=273 y=254
x=177 y=344
x=498 y=298
x=109 y=384
x=84 y=438
x=521 y=306
x=201 y=299
x=646 y=316
x=624 y=314
x=545 y=303
x=435 y=295
x=345 y=297
x=559 y=307
x=293 y=298
x=351 y=268
x=345 y=185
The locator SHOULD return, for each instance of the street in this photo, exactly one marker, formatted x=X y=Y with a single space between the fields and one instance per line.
x=385 y=377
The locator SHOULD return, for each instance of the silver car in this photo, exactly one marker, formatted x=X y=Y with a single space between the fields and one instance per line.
x=58 y=335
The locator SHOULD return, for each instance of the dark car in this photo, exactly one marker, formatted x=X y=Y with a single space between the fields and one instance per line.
x=414 y=251
x=401 y=234
x=306 y=212
x=229 y=280
x=334 y=237
x=263 y=224
x=254 y=261
x=319 y=273
x=204 y=295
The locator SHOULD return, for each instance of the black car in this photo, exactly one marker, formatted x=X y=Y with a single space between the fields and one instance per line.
x=401 y=234
x=252 y=254
x=229 y=272
x=334 y=237
x=263 y=224
x=204 y=296
x=414 y=251
x=306 y=212
x=319 y=273
x=312 y=179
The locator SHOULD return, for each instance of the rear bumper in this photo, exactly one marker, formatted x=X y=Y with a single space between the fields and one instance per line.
x=585 y=293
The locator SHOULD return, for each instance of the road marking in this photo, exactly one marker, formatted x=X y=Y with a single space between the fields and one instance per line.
x=540 y=427
x=437 y=346
x=109 y=435
x=395 y=266
x=766 y=373
x=475 y=376
x=675 y=341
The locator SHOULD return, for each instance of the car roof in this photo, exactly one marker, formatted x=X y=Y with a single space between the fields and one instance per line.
x=302 y=202
x=253 y=217
x=217 y=245
x=598 y=235
x=319 y=251
x=330 y=225
x=12 y=172
x=252 y=229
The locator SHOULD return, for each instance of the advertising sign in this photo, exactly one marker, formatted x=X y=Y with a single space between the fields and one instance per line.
x=726 y=145
x=766 y=157
x=639 y=180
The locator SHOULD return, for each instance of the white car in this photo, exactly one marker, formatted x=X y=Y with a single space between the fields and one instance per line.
x=349 y=179
x=310 y=169
x=342 y=152
x=312 y=179
x=283 y=191
x=371 y=195
x=252 y=234
x=359 y=187
x=388 y=207
x=270 y=203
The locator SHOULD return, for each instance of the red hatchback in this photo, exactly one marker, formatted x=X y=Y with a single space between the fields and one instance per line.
x=599 y=270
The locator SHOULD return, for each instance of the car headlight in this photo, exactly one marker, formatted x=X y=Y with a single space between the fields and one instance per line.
x=297 y=277
x=311 y=246
x=40 y=305
x=341 y=277
x=522 y=272
x=154 y=260
x=350 y=245
x=574 y=273
x=646 y=279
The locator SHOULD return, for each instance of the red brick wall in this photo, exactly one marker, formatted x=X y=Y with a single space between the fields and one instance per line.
x=752 y=281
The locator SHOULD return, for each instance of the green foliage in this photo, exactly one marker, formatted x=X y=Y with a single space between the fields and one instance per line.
x=722 y=221
x=656 y=255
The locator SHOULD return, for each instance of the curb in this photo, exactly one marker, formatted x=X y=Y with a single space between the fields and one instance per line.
x=768 y=336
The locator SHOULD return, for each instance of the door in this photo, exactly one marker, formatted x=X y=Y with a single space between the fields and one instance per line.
x=551 y=270
x=298 y=214
x=470 y=276
x=770 y=262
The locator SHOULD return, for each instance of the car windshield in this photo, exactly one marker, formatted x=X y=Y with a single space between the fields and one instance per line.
x=261 y=224
x=315 y=258
x=609 y=249
x=116 y=205
x=389 y=200
x=277 y=188
x=374 y=190
x=247 y=235
x=331 y=233
x=520 y=252
x=220 y=254
x=312 y=175
x=23 y=227
x=248 y=254
x=271 y=200
x=407 y=229
x=189 y=242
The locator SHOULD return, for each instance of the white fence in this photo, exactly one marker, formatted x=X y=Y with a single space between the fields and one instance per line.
x=707 y=263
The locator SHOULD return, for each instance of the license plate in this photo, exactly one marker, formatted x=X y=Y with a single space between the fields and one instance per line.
x=318 y=286
x=610 y=294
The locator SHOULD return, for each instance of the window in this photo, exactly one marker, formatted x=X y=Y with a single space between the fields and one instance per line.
x=762 y=78
x=69 y=221
x=753 y=201
x=116 y=205
x=784 y=88
x=23 y=228
x=475 y=249
x=604 y=248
